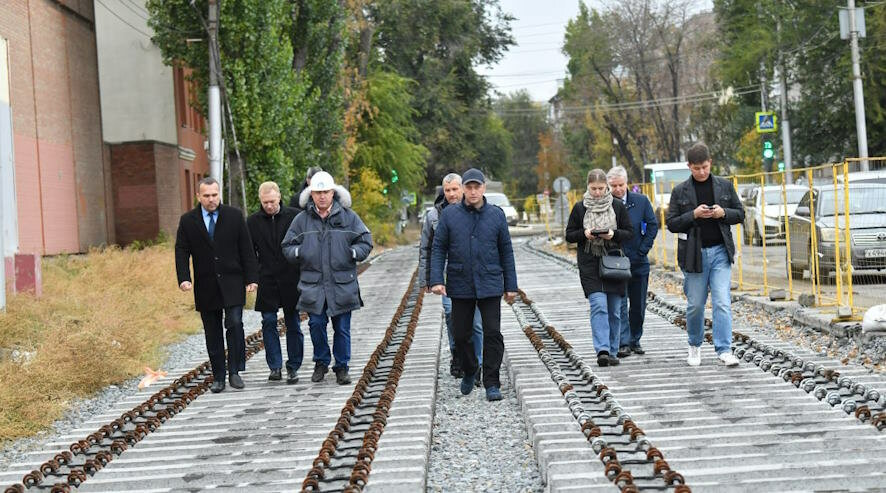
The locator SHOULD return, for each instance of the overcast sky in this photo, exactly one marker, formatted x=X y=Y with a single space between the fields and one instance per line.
x=536 y=62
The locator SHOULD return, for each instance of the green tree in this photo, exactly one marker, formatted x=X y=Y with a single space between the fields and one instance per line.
x=437 y=43
x=262 y=90
x=525 y=121
x=387 y=141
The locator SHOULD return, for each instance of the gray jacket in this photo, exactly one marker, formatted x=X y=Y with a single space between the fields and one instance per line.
x=327 y=251
x=427 y=240
x=681 y=220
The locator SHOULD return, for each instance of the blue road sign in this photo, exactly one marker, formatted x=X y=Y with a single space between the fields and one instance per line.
x=765 y=122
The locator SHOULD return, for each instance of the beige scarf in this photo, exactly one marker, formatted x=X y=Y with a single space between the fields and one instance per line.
x=599 y=214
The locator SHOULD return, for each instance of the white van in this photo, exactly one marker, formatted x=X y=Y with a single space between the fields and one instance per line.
x=664 y=177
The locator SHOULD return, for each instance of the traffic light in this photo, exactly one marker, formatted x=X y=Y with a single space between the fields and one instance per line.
x=394 y=177
x=768 y=152
x=768 y=155
x=385 y=190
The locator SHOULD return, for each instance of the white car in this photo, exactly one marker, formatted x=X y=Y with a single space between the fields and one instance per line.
x=502 y=201
x=770 y=221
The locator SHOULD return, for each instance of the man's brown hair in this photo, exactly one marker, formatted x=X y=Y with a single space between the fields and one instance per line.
x=698 y=153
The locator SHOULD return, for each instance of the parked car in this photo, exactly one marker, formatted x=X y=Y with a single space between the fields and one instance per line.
x=864 y=177
x=502 y=201
x=867 y=229
x=769 y=222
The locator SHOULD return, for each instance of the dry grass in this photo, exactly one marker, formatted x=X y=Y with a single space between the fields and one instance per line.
x=102 y=318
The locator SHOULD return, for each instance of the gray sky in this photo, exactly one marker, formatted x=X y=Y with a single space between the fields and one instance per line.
x=536 y=62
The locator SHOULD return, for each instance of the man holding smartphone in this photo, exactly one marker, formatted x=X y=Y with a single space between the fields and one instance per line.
x=701 y=211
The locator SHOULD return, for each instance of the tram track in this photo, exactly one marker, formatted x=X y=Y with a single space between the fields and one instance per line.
x=827 y=384
x=730 y=429
x=70 y=468
x=344 y=462
x=630 y=460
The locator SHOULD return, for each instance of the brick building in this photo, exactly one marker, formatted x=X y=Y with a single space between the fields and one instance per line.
x=98 y=143
x=56 y=181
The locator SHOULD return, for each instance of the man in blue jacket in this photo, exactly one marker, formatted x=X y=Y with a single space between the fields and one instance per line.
x=645 y=228
x=327 y=240
x=473 y=237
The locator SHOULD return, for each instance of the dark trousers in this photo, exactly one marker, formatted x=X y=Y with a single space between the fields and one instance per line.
x=634 y=310
x=493 y=342
x=295 y=340
x=215 y=340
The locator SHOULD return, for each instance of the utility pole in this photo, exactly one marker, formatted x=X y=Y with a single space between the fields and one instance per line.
x=215 y=152
x=857 y=89
x=785 y=124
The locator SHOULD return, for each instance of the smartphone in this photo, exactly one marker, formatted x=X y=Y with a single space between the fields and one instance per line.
x=710 y=207
x=599 y=232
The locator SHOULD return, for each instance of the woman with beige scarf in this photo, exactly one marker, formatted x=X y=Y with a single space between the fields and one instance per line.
x=600 y=225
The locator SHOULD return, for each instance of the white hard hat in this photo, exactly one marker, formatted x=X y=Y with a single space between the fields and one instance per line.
x=322 y=181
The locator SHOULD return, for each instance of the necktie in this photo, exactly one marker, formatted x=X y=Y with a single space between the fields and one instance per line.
x=211 y=227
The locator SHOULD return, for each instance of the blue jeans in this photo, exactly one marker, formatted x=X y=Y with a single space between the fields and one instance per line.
x=341 y=338
x=295 y=340
x=477 y=338
x=632 y=320
x=605 y=321
x=715 y=276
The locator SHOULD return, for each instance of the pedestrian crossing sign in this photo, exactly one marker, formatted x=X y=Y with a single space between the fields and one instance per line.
x=766 y=122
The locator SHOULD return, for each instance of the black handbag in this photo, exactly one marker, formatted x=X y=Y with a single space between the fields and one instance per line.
x=615 y=267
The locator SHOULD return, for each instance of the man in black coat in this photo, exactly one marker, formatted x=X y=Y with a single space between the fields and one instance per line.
x=216 y=238
x=277 y=283
x=298 y=188
x=701 y=211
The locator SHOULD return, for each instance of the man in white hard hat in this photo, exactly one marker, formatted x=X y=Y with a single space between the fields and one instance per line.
x=327 y=240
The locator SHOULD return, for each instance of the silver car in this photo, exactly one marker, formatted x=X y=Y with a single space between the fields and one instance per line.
x=867 y=229
x=768 y=220
x=502 y=201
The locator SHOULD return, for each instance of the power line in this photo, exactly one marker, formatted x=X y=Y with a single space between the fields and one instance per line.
x=650 y=103
x=136 y=12
x=123 y=20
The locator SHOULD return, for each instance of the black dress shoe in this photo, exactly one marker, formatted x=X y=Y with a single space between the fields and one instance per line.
x=217 y=386
x=236 y=381
x=291 y=376
x=276 y=374
x=637 y=349
x=613 y=361
x=603 y=359
x=623 y=352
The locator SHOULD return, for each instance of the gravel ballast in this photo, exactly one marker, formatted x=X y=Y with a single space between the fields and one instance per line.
x=479 y=445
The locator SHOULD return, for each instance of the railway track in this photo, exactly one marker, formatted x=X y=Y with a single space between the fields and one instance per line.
x=730 y=429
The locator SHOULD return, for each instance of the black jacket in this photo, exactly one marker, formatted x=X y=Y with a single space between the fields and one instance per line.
x=278 y=279
x=293 y=201
x=223 y=267
x=588 y=263
x=681 y=220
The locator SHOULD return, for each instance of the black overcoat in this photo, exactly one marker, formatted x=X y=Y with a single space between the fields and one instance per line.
x=223 y=267
x=278 y=278
x=588 y=263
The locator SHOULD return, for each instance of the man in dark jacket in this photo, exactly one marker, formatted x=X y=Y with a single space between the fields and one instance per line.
x=327 y=240
x=215 y=237
x=278 y=282
x=451 y=193
x=701 y=211
x=473 y=243
x=293 y=202
x=645 y=228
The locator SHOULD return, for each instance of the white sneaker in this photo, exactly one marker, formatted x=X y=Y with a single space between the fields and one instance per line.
x=728 y=358
x=694 y=358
